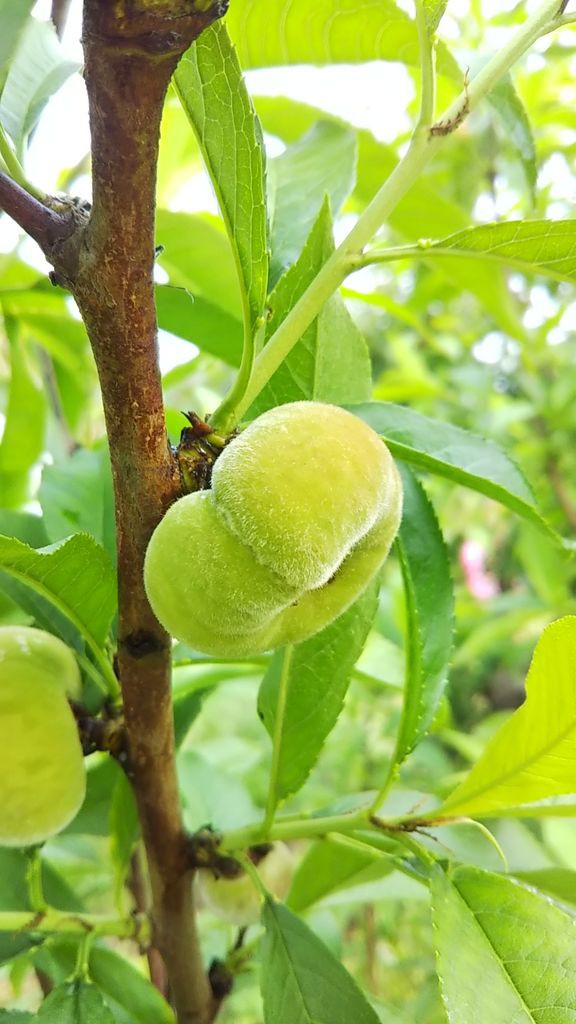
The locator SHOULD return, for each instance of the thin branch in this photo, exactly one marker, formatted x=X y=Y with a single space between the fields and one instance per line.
x=131 y=49
x=44 y=225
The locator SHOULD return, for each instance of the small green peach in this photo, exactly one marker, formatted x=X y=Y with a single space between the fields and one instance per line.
x=303 y=509
x=41 y=760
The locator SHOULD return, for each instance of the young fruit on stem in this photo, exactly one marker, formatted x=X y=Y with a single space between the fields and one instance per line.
x=237 y=900
x=41 y=759
x=302 y=511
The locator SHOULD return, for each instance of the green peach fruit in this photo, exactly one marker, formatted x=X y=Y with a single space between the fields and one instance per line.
x=41 y=758
x=237 y=900
x=303 y=508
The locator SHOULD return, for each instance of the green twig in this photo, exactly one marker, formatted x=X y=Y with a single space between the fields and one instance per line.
x=422 y=148
x=50 y=921
x=34 y=880
x=277 y=741
x=427 y=70
x=293 y=828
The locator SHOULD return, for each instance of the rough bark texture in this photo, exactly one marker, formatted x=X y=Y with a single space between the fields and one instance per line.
x=106 y=258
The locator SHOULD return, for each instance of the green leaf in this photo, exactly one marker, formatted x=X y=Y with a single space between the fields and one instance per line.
x=322 y=162
x=76 y=496
x=430 y=610
x=15 y=1017
x=331 y=865
x=433 y=11
x=75 y=1002
x=330 y=363
x=37 y=71
x=124 y=830
x=424 y=211
x=318 y=676
x=121 y=982
x=502 y=950
x=454 y=453
x=533 y=756
x=197 y=320
x=560 y=883
x=268 y=32
x=302 y=982
x=13 y=18
x=518 y=130
x=75 y=577
x=213 y=93
x=193 y=244
x=212 y=796
x=23 y=436
x=532 y=246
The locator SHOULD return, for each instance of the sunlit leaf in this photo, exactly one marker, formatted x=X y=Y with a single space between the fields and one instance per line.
x=502 y=950
x=430 y=609
x=268 y=32
x=213 y=93
x=533 y=246
x=533 y=756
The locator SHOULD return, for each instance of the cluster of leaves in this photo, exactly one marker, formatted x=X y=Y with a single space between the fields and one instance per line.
x=443 y=339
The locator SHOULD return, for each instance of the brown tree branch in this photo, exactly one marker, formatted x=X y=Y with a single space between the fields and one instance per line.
x=46 y=226
x=131 y=49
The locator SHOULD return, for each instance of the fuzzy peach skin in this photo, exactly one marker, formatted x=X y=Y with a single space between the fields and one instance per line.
x=41 y=760
x=302 y=511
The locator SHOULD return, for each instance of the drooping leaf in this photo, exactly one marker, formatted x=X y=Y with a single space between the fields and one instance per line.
x=533 y=756
x=330 y=363
x=317 y=676
x=196 y=319
x=430 y=608
x=516 y=124
x=454 y=453
x=302 y=982
x=75 y=577
x=504 y=952
x=75 y=1002
x=267 y=33
x=213 y=93
x=38 y=69
x=13 y=18
x=322 y=162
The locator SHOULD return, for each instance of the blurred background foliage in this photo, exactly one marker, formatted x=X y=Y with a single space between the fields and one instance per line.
x=460 y=340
